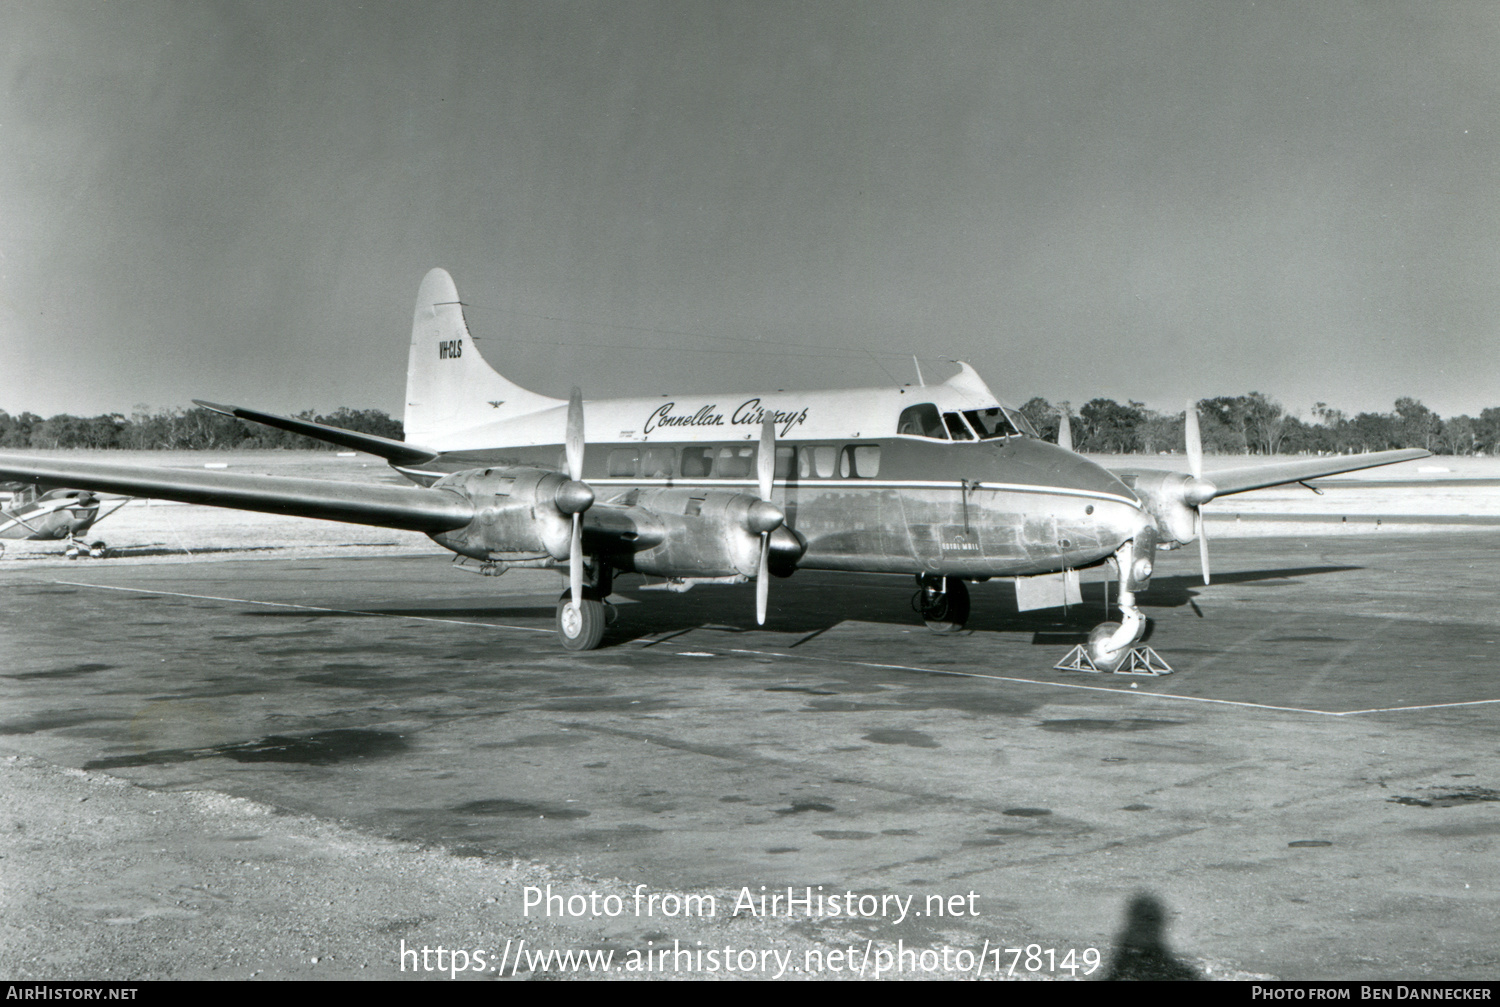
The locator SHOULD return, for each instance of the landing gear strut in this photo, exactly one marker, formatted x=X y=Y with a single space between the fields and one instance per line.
x=943 y=602
x=581 y=626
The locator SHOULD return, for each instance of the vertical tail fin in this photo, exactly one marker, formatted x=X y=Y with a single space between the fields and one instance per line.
x=449 y=386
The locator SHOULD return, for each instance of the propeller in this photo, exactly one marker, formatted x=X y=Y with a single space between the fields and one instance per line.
x=1199 y=491
x=1065 y=432
x=765 y=517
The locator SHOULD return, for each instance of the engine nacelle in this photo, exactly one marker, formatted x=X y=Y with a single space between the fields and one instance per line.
x=519 y=514
x=707 y=533
x=1172 y=499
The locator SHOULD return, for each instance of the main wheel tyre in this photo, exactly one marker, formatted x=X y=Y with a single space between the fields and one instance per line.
x=98 y=550
x=1105 y=660
x=580 y=627
x=948 y=611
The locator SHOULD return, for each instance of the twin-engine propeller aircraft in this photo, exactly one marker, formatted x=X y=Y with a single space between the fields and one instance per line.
x=54 y=514
x=942 y=481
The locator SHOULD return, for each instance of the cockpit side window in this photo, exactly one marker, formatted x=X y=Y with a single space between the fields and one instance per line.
x=991 y=423
x=1022 y=423
x=921 y=421
x=957 y=427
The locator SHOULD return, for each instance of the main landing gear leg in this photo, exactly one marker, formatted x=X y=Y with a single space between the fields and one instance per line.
x=943 y=602
x=581 y=627
x=78 y=547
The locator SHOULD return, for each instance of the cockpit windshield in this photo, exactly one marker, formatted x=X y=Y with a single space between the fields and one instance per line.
x=991 y=423
x=924 y=420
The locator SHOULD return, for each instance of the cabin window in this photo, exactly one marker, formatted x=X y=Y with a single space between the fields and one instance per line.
x=697 y=463
x=991 y=423
x=623 y=462
x=957 y=427
x=734 y=463
x=816 y=461
x=784 y=458
x=860 y=461
x=921 y=421
x=658 y=463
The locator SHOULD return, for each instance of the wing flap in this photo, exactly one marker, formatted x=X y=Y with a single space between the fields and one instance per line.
x=1262 y=476
x=396 y=452
x=408 y=507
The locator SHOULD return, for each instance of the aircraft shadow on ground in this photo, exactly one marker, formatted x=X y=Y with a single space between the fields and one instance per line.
x=810 y=609
x=477 y=611
x=815 y=604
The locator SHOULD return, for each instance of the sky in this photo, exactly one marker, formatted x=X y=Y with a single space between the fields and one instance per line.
x=1146 y=201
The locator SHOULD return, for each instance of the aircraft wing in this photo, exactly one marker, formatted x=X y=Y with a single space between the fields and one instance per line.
x=396 y=452
x=412 y=508
x=1262 y=476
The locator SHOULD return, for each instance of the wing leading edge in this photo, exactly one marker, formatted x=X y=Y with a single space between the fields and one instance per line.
x=407 y=507
x=1264 y=476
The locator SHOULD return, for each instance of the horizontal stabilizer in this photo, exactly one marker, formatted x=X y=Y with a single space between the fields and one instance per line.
x=408 y=507
x=1261 y=476
x=395 y=452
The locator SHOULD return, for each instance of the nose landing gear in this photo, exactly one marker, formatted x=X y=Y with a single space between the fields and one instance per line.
x=1112 y=646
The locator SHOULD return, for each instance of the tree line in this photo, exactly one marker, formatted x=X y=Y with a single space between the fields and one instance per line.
x=195 y=429
x=1257 y=424
x=1242 y=424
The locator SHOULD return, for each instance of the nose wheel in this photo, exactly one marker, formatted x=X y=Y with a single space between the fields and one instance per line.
x=943 y=603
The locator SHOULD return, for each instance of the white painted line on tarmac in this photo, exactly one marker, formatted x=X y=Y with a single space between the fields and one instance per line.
x=307 y=608
x=1112 y=691
x=1402 y=709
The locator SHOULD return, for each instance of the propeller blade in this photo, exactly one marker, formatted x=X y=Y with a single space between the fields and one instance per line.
x=765 y=472
x=763 y=580
x=575 y=563
x=1065 y=432
x=765 y=461
x=1194 y=440
x=573 y=443
x=573 y=447
x=1202 y=544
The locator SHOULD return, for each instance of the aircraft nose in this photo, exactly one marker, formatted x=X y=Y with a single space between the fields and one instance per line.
x=1114 y=512
x=1067 y=470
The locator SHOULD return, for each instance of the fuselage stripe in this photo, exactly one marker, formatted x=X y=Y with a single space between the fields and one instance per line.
x=811 y=484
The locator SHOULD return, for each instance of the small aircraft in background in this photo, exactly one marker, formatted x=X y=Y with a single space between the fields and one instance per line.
x=941 y=482
x=31 y=513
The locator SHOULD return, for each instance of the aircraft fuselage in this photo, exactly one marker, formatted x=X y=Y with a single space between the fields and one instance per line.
x=1015 y=506
x=57 y=514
